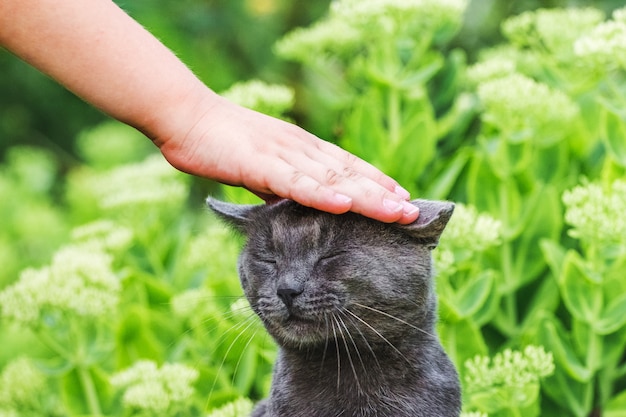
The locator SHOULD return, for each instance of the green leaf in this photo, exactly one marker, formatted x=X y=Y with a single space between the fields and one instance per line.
x=491 y=305
x=554 y=255
x=581 y=295
x=542 y=217
x=462 y=341
x=573 y=396
x=473 y=295
x=588 y=344
x=443 y=183
x=507 y=400
x=555 y=339
x=613 y=345
x=448 y=311
x=245 y=372
x=614 y=136
x=507 y=158
x=544 y=300
x=364 y=131
x=479 y=180
x=613 y=317
x=616 y=407
x=490 y=400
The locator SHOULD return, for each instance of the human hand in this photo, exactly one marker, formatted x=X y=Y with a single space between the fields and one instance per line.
x=276 y=159
x=105 y=57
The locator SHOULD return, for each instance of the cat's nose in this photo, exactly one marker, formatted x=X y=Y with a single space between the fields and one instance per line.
x=287 y=294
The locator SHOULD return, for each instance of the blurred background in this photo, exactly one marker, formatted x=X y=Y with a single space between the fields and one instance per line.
x=528 y=134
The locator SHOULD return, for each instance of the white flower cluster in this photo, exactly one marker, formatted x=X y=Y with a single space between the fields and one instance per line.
x=605 y=45
x=330 y=36
x=355 y=24
x=241 y=407
x=596 y=213
x=103 y=234
x=418 y=13
x=128 y=189
x=489 y=69
x=509 y=368
x=192 y=304
x=470 y=230
x=524 y=109
x=154 y=390
x=271 y=99
x=20 y=382
x=79 y=281
x=556 y=30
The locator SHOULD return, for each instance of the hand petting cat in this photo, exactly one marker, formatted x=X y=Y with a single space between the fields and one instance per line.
x=101 y=54
x=275 y=159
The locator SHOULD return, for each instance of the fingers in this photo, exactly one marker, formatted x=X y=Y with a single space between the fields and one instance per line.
x=371 y=192
x=352 y=163
x=365 y=181
x=330 y=179
x=273 y=158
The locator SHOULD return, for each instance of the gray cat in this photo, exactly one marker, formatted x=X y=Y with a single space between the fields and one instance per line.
x=351 y=304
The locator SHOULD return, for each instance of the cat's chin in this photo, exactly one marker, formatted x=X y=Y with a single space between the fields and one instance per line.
x=299 y=332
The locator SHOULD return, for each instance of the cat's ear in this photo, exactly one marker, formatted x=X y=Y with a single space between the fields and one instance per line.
x=433 y=218
x=237 y=215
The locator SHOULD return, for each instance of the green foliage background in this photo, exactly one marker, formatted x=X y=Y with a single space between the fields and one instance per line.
x=531 y=270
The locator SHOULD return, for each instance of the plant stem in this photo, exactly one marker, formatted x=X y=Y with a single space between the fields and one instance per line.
x=86 y=381
x=393 y=115
x=54 y=345
x=506 y=254
x=453 y=351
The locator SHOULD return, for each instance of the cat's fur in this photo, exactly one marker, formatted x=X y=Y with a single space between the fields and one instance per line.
x=350 y=302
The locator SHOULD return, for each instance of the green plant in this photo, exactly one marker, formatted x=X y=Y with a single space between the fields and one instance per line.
x=373 y=63
x=116 y=297
x=508 y=136
x=508 y=384
x=120 y=273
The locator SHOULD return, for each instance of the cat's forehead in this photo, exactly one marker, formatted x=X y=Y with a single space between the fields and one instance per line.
x=296 y=223
x=288 y=223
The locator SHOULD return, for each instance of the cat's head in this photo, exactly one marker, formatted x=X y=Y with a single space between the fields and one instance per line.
x=314 y=277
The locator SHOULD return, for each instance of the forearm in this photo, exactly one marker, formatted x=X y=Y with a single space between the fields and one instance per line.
x=97 y=51
x=102 y=55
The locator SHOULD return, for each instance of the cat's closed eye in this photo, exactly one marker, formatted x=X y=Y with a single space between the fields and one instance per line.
x=266 y=260
x=331 y=257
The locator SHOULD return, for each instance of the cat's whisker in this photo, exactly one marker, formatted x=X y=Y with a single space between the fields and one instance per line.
x=210 y=324
x=338 y=354
x=250 y=321
x=326 y=340
x=340 y=323
x=379 y=334
x=395 y=318
x=367 y=343
x=242 y=353
x=227 y=316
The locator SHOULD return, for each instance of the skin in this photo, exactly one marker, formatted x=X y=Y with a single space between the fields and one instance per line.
x=98 y=52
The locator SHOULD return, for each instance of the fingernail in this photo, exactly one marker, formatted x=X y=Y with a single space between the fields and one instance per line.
x=342 y=198
x=402 y=192
x=410 y=209
x=393 y=206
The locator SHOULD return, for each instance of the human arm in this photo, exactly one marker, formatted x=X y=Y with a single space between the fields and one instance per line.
x=97 y=51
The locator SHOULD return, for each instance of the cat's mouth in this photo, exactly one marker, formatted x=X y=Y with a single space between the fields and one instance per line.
x=295 y=319
x=300 y=329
